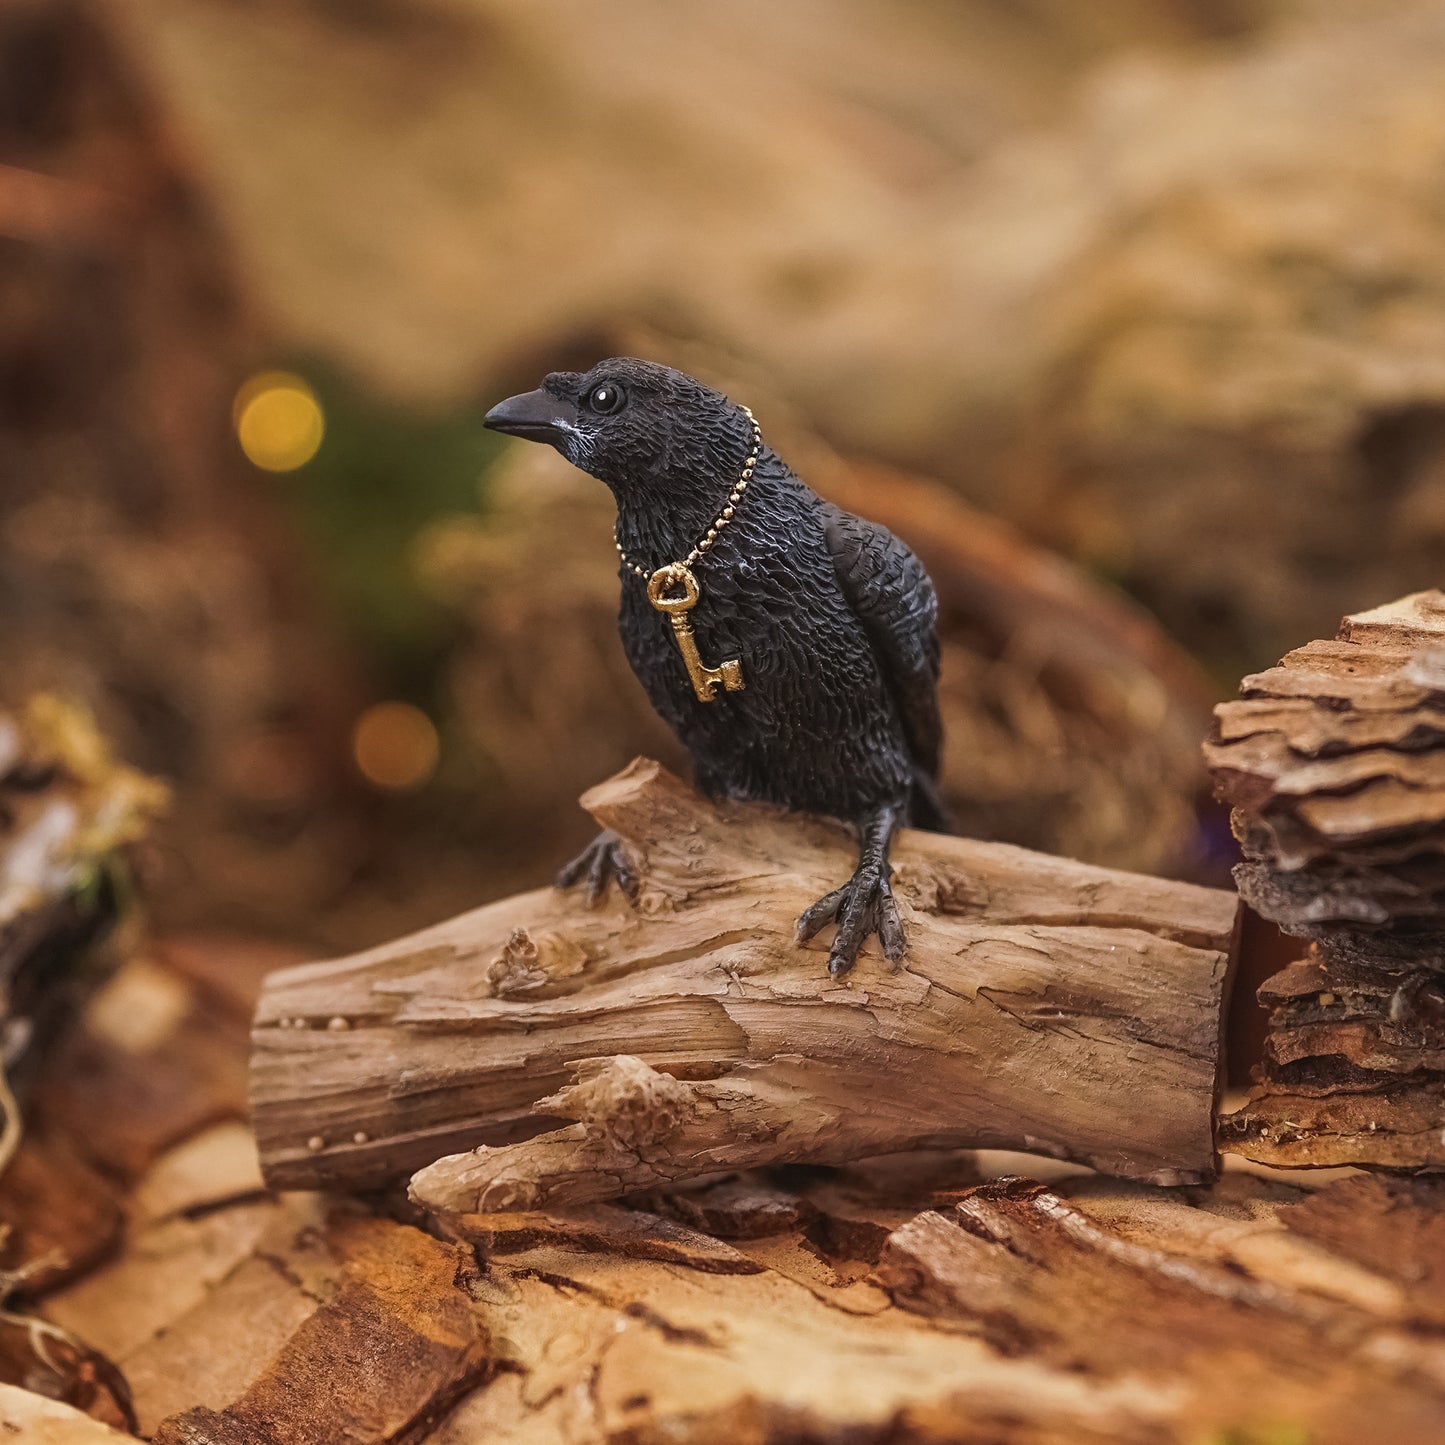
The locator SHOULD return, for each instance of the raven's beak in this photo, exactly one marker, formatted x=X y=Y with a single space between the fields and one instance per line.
x=537 y=415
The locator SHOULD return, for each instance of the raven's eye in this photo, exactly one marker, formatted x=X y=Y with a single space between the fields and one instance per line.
x=607 y=398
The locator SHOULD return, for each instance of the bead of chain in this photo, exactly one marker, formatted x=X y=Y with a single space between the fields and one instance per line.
x=720 y=521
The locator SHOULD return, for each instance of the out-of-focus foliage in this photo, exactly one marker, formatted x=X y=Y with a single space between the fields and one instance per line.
x=68 y=806
x=382 y=474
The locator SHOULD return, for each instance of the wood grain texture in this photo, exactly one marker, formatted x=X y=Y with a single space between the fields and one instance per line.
x=1045 y=1005
x=1258 y=1339
x=25 y=1415
x=919 y=1299
x=1334 y=765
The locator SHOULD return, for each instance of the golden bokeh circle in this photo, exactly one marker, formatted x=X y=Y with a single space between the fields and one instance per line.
x=279 y=421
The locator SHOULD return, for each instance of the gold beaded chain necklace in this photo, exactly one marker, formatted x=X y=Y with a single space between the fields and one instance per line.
x=705 y=680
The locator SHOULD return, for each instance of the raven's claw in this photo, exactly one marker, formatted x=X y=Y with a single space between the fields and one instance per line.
x=602 y=861
x=863 y=906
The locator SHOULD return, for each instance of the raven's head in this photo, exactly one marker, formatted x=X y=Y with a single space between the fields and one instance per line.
x=646 y=430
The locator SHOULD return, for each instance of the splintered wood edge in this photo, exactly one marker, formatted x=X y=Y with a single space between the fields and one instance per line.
x=1420 y=616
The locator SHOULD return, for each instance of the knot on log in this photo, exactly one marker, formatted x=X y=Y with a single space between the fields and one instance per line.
x=624 y=1100
x=527 y=963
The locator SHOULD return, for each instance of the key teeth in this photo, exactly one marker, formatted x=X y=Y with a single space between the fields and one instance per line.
x=732 y=674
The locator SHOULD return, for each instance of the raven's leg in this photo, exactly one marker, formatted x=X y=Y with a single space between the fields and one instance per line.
x=602 y=860
x=864 y=904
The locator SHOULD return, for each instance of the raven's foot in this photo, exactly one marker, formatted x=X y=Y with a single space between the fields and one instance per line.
x=862 y=907
x=601 y=862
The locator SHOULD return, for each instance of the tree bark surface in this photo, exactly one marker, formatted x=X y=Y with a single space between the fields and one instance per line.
x=1334 y=764
x=581 y=1053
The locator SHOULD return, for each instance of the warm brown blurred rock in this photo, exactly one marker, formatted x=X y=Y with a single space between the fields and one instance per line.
x=1240 y=401
x=141 y=566
x=765 y=161
x=1173 y=306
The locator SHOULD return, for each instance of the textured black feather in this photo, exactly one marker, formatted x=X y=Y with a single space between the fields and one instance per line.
x=833 y=619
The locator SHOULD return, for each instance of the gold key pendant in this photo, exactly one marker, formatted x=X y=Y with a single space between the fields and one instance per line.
x=704 y=679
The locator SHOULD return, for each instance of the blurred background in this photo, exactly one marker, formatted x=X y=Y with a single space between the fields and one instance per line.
x=1129 y=316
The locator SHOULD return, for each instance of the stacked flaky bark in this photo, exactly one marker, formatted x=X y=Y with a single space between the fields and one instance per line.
x=1334 y=763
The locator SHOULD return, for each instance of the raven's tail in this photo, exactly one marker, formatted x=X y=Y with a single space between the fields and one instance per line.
x=926 y=808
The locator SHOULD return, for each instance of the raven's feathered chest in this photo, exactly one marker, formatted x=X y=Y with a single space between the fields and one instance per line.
x=816 y=726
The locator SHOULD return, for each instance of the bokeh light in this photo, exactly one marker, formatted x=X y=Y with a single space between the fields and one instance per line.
x=278 y=420
x=395 y=746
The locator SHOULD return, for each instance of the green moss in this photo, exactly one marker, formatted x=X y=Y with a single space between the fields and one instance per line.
x=1277 y=1433
x=382 y=474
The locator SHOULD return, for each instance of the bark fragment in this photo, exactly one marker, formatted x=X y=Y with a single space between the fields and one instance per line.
x=380 y=1362
x=1334 y=764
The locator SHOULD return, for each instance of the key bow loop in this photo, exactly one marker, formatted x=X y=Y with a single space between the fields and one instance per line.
x=675 y=574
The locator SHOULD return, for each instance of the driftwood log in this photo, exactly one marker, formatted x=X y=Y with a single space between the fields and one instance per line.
x=1045 y=1005
x=1334 y=763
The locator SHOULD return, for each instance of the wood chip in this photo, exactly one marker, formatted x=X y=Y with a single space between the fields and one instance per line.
x=396 y=1346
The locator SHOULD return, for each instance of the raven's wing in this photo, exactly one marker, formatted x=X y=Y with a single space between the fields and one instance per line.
x=892 y=597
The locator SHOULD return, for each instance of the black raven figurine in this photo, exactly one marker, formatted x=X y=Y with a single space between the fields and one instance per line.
x=825 y=698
